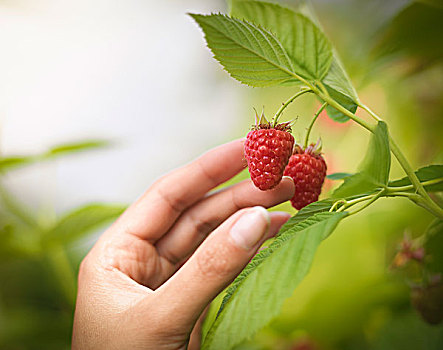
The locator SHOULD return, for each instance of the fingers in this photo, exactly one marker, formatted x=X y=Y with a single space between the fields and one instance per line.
x=214 y=265
x=199 y=220
x=156 y=211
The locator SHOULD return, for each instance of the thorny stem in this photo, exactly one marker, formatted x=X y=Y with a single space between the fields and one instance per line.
x=323 y=106
x=287 y=103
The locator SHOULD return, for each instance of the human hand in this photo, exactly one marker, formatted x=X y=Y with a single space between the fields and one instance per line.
x=149 y=277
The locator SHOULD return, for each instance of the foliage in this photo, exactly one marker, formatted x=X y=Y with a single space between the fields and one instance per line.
x=264 y=44
x=37 y=255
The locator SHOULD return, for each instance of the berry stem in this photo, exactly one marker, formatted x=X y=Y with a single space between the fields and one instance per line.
x=308 y=132
x=286 y=104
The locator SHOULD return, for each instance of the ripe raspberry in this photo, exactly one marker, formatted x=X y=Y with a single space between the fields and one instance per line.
x=267 y=151
x=308 y=169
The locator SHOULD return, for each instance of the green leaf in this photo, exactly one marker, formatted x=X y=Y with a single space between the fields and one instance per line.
x=8 y=163
x=250 y=54
x=343 y=100
x=309 y=50
x=257 y=294
x=76 y=147
x=428 y=173
x=83 y=220
x=308 y=211
x=281 y=22
x=374 y=170
x=338 y=80
x=338 y=176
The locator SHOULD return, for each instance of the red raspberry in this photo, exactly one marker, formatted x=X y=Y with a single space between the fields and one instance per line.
x=308 y=169
x=267 y=151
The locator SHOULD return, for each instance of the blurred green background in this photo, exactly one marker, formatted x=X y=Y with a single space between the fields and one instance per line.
x=351 y=299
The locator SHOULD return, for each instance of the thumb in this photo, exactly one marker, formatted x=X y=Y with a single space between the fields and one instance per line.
x=215 y=264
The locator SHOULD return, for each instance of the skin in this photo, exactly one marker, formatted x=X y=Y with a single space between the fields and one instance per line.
x=147 y=281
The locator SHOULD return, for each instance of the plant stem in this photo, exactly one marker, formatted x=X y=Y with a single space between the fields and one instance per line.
x=370 y=112
x=323 y=106
x=411 y=187
x=355 y=201
x=349 y=114
x=287 y=103
x=427 y=202
x=374 y=198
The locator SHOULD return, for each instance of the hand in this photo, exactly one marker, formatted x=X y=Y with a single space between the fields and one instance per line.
x=148 y=279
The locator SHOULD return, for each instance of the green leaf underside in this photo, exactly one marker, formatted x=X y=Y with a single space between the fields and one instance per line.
x=430 y=172
x=289 y=257
x=8 y=163
x=374 y=170
x=83 y=220
x=338 y=176
x=338 y=80
x=306 y=46
x=343 y=100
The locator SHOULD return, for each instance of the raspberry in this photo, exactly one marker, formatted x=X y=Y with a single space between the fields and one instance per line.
x=308 y=170
x=267 y=151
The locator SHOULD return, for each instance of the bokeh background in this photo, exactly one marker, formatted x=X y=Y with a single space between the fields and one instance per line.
x=135 y=81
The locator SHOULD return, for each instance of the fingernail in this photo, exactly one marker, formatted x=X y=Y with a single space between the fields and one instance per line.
x=250 y=228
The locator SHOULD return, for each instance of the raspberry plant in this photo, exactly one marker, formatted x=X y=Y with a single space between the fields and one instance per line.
x=263 y=44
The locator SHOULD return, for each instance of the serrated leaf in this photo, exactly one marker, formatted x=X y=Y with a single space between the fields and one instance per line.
x=83 y=220
x=308 y=48
x=338 y=176
x=427 y=173
x=250 y=54
x=280 y=21
x=257 y=294
x=374 y=170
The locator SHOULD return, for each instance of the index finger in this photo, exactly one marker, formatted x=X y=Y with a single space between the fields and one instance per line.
x=156 y=211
